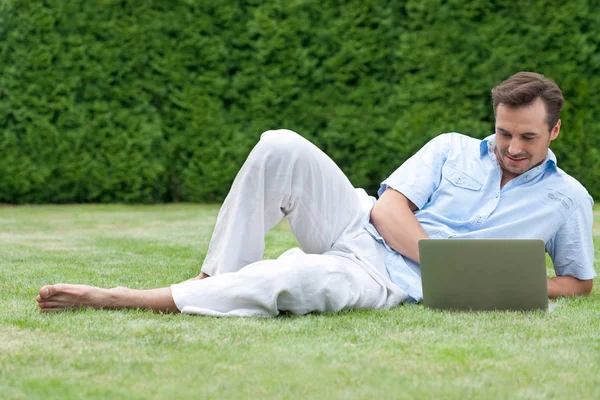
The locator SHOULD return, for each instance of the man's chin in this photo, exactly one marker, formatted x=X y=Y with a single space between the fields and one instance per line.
x=514 y=171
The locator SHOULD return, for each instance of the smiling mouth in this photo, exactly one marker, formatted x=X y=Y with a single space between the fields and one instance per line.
x=515 y=160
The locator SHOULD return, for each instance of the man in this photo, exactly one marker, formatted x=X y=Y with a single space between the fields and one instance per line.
x=358 y=252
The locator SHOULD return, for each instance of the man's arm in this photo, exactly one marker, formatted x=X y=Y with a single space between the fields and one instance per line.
x=572 y=252
x=568 y=286
x=393 y=217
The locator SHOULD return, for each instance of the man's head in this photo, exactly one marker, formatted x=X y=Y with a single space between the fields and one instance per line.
x=527 y=107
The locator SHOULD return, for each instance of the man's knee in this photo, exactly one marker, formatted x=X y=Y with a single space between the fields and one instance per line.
x=281 y=142
x=279 y=135
x=283 y=153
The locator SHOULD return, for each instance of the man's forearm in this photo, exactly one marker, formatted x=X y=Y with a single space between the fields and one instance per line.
x=393 y=217
x=568 y=286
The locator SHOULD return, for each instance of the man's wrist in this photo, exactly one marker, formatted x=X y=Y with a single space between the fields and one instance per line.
x=551 y=288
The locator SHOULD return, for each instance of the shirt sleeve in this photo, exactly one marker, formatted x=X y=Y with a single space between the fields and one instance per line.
x=419 y=176
x=572 y=248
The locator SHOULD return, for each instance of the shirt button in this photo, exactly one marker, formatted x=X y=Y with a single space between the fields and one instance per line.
x=479 y=219
x=496 y=195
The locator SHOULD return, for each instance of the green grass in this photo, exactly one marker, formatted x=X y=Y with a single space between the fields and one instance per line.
x=407 y=352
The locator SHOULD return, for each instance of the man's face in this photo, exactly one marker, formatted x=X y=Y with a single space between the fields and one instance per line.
x=522 y=137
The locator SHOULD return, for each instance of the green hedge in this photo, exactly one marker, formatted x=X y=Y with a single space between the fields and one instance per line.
x=159 y=101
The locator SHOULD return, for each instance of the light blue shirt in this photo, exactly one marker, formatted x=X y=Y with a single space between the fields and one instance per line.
x=454 y=180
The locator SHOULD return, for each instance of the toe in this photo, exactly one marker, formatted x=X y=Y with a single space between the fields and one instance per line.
x=51 y=305
x=47 y=291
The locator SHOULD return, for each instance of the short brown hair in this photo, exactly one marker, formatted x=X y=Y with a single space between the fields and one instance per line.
x=523 y=88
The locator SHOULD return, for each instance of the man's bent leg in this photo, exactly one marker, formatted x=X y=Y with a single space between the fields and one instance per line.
x=61 y=297
x=284 y=176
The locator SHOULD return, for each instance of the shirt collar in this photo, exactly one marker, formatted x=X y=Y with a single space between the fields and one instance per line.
x=488 y=145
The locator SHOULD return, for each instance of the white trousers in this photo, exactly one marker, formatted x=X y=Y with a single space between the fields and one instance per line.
x=340 y=265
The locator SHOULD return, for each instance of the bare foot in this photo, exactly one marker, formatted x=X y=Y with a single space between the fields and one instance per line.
x=62 y=297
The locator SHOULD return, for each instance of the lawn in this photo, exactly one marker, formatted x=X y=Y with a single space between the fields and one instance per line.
x=406 y=352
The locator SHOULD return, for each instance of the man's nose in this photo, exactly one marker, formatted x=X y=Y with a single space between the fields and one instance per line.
x=515 y=148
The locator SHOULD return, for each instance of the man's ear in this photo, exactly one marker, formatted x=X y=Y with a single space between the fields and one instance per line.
x=555 y=131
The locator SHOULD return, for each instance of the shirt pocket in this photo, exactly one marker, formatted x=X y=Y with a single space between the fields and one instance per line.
x=460 y=178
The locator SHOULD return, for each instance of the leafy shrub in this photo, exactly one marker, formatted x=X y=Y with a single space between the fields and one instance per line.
x=159 y=101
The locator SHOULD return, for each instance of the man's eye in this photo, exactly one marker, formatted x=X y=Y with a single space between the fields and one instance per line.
x=528 y=138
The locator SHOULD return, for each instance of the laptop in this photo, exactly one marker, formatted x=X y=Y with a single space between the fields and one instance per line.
x=484 y=274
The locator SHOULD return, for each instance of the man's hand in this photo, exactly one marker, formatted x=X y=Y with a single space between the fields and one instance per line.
x=393 y=217
x=568 y=286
